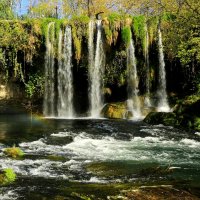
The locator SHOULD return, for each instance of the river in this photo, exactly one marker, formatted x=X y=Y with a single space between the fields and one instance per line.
x=66 y=157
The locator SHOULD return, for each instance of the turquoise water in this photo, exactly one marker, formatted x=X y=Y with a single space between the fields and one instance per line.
x=64 y=156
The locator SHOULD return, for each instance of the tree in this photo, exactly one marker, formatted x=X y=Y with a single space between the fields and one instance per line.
x=6 y=11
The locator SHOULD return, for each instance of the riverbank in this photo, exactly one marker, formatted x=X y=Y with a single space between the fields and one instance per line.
x=20 y=106
x=185 y=114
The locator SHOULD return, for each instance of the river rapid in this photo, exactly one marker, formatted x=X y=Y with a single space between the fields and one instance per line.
x=98 y=157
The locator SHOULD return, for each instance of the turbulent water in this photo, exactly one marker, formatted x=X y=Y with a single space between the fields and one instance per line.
x=133 y=98
x=65 y=80
x=162 y=94
x=96 y=74
x=61 y=153
x=49 y=94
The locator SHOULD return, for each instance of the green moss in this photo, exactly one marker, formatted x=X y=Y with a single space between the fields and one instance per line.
x=197 y=123
x=13 y=152
x=77 y=43
x=94 y=191
x=168 y=119
x=10 y=175
x=113 y=18
x=44 y=26
x=108 y=34
x=56 y=158
x=112 y=26
x=80 y=196
x=114 y=110
x=152 y=24
x=139 y=28
x=126 y=35
x=58 y=26
x=79 y=31
x=154 y=192
x=84 y=19
x=7 y=176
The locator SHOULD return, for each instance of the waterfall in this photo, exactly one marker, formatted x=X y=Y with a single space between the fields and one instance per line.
x=65 y=80
x=133 y=101
x=163 y=105
x=49 y=94
x=96 y=73
x=146 y=55
x=91 y=47
x=91 y=58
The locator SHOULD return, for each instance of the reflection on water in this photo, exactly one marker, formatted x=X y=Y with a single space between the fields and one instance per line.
x=61 y=153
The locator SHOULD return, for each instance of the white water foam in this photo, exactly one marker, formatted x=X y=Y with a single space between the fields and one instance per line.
x=40 y=147
x=197 y=133
x=138 y=149
x=190 y=143
x=96 y=180
x=8 y=195
x=86 y=148
x=63 y=134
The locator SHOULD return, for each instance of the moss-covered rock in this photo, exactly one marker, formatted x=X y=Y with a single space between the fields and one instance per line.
x=197 y=123
x=186 y=115
x=168 y=119
x=57 y=158
x=7 y=176
x=155 y=193
x=14 y=152
x=115 y=110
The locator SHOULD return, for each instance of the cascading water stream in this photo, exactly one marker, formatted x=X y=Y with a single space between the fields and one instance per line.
x=96 y=73
x=49 y=94
x=65 y=80
x=91 y=59
x=147 y=97
x=91 y=46
x=163 y=105
x=133 y=101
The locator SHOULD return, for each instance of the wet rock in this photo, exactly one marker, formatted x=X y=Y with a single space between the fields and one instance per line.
x=115 y=111
x=158 y=192
x=57 y=158
x=168 y=119
x=188 y=114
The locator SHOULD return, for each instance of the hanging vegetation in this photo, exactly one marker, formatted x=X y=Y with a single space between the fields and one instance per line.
x=79 y=31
